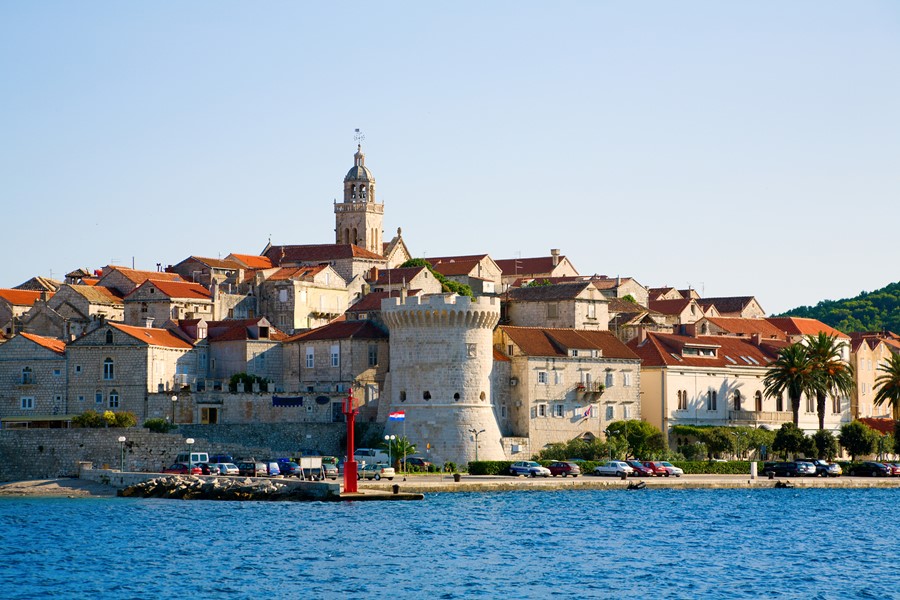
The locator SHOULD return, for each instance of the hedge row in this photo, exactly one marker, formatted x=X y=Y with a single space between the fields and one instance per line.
x=705 y=467
x=489 y=467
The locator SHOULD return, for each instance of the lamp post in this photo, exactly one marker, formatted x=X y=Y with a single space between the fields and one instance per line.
x=389 y=439
x=122 y=464
x=189 y=442
x=174 y=400
x=476 y=433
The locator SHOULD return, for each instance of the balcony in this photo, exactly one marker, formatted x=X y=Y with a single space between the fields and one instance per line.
x=758 y=417
x=595 y=388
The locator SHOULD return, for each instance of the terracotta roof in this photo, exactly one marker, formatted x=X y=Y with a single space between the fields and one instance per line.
x=97 y=294
x=152 y=336
x=731 y=304
x=547 y=293
x=297 y=273
x=49 y=343
x=669 y=307
x=39 y=284
x=499 y=356
x=216 y=263
x=539 y=264
x=240 y=329
x=139 y=277
x=341 y=330
x=803 y=326
x=656 y=292
x=659 y=349
x=372 y=300
x=452 y=259
x=397 y=276
x=455 y=267
x=177 y=289
x=318 y=253
x=21 y=297
x=252 y=261
x=543 y=341
x=617 y=305
x=744 y=326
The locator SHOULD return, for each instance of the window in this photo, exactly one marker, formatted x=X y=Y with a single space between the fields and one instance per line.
x=711 y=400
x=471 y=350
x=557 y=377
x=779 y=403
x=78 y=368
x=757 y=397
x=57 y=372
x=456 y=396
x=552 y=310
x=592 y=311
x=542 y=410
x=109 y=371
x=26 y=402
x=836 y=405
x=810 y=404
x=310 y=358
x=27 y=376
x=143 y=307
x=426 y=395
x=737 y=399
x=335 y=356
x=402 y=396
x=626 y=379
x=114 y=399
x=609 y=379
x=98 y=397
x=503 y=411
x=509 y=350
x=282 y=295
x=574 y=353
x=81 y=398
x=542 y=377
x=682 y=400
x=610 y=412
x=109 y=336
x=558 y=410
x=626 y=412
x=373 y=355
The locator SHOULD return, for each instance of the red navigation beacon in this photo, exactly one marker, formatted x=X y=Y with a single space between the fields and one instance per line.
x=350 y=465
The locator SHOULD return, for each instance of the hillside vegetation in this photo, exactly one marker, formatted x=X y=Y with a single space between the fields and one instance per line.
x=869 y=311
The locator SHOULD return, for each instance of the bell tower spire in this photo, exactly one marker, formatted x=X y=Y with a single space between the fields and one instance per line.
x=359 y=218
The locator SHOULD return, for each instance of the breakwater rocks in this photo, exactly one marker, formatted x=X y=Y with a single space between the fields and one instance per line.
x=197 y=488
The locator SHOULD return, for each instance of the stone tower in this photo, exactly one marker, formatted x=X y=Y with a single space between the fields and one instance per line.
x=441 y=349
x=358 y=219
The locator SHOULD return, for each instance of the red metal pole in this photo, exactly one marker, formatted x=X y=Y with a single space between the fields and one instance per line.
x=350 y=465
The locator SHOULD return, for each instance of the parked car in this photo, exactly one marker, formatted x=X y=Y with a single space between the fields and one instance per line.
x=376 y=472
x=182 y=469
x=826 y=469
x=564 y=468
x=418 y=462
x=614 y=467
x=658 y=468
x=529 y=468
x=806 y=468
x=289 y=468
x=208 y=469
x=872 y=469
x=226 y=468
x=221 y=458
x=330 y=470
x=640 y=469
x=253 y=468
x=895 y=468
x=672 y=469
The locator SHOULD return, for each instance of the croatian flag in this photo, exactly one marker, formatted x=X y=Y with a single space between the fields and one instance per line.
x=587 y=412
x=397 y=416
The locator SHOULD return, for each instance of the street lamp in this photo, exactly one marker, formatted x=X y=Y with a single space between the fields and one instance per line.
x=476 y=433
x=189 y=441
x=174 y=400
x=390 y=442
x=122 y=441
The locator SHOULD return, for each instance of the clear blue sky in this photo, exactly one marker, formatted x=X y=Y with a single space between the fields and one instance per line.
x=741 y=148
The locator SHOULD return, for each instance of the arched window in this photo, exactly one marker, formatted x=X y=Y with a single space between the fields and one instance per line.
x=737 y=399
x=27 y=376
x=456 y=396
x=779 y=403
x=108 y=369
x=353 y=192
x=483 y=396
x=109 y=336
x=758 y=397
x=704 y=329
x=114 y=399
x=426 y=395
x=402 y=396
x=362 y=192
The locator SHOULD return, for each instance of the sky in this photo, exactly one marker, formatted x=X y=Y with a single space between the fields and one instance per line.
x=739 y=148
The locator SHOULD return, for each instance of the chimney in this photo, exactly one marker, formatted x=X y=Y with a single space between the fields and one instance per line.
x=642 y=334
x=148 y=322
x=554 y=252
x=755 y=339
x=403 y=293
x=373 y=274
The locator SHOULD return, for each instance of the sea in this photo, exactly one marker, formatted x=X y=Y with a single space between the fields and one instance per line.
x=651 y=543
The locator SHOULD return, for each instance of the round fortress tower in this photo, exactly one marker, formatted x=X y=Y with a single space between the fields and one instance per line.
x=441 y=359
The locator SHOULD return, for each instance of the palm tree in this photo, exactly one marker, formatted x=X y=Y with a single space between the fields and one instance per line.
x=791 y=372
x=830 y=373
x=888 y=384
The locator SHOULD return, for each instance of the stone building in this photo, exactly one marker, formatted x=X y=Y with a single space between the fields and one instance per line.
x=359 y=218
x=567 y=383
x=745 y=307
x=441 y=360
x=389 y=280
x=869 y=351
x=296 y=298
x=249 y=346
x=33 y=382
x=539 y=267
x=682 y=311
x=206 y=271
x=73 y=310
x=478 y=271
x=124 y=280
x=577 y=305
x=156 y=302
x=14 y=304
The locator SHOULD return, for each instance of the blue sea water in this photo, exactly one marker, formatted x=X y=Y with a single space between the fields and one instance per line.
x=816 y=543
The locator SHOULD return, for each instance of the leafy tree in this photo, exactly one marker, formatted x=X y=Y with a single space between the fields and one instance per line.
x=869 y=311
x=629 y=298
x=888 y=384
x=539 y=283
x=90 y=418
x=790 y=439
x=400 y=448
x=857 y=439
x=896 y=437
x=826 y=444
x=831 y=375
x=448 y=285
x=641 y=439
x=791 y=372
x=159 y=425
x=248 y=381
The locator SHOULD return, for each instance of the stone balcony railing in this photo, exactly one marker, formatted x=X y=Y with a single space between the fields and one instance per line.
x=760 y=416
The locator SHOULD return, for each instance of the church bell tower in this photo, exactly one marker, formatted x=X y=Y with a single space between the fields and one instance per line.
x=359 y=219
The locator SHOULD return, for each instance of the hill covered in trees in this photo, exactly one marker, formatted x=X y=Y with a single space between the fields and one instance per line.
x=869 y=311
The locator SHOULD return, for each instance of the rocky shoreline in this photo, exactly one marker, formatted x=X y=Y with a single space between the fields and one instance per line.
x=195 y=488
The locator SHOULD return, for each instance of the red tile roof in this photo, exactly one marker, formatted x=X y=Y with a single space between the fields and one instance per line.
x=544 y=341
x=231 y=330
x=729 y=304
x=455 y=267
x=152 y=336
x=397 y=276
x=139 y=277
x=252 y=261
x=98 y=294
x=318 y=253
x=499 y=356
x=659 y=349
x=21 y=297
x=803 y=326
x=49 y=343
x=525 y=266
x=216 y=263
x=177 y=289
x=341 y=330
x=743 y=326
x=296 y=273
x=670 y=307
x=372 y=300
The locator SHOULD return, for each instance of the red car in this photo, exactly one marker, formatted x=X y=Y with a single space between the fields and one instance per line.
x=182 y=469
x=640 y=470
x=565 y=469
x=656 y=468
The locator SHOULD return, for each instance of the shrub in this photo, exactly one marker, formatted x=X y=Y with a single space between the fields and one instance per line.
x=489 y=467
x=90 y=418
x=248 y=381
x=704 y=467
x=159 y=425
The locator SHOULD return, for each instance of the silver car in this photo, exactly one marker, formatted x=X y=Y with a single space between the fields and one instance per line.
x=226 y=468
x=806 y=469
x=616 y=468
x=529 y=468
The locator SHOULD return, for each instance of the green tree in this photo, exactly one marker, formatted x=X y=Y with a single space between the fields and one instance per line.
x=826 y=444
x=629 y=298
x=888 y=384
x=159 y=425
x=448 y=285
x=641 y=439
x=831 y=375
x=717 y=440
x=791 y=372
x=539 y=283
x=401 y=448
x=857 y=439
x=896 y=437
x=790 y=439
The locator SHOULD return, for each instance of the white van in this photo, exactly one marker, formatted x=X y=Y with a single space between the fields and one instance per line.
x=371 y=456
x=195 y=457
